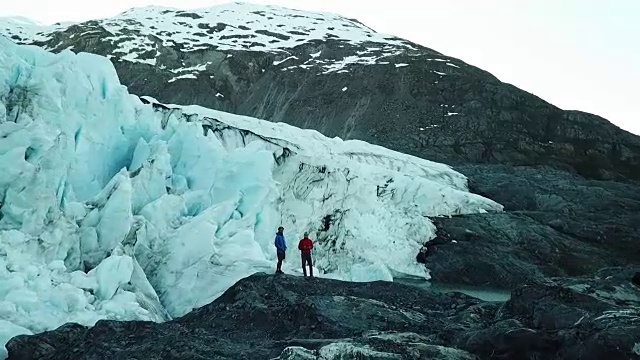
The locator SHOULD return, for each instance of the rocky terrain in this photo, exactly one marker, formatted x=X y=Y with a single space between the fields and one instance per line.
x=292 y=318
x=556 y=223
x=569 y=181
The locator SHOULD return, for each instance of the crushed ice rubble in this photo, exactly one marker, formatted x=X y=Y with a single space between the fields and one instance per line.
x=117 y=209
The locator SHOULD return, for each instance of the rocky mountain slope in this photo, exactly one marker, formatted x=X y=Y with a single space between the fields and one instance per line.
x=568 y=180
x=291 y=318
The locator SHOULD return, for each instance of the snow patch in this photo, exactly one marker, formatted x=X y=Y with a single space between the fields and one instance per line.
x=344 y=89
x=330 y=66
x=285 y=59
x=185 y=76
x=201 y=67
x=401 y=65
x=27 y=29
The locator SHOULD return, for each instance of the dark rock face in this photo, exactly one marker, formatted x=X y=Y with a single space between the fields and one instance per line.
x=266 y=317
x=594 y=318
x=259 y=317
x=556 y=224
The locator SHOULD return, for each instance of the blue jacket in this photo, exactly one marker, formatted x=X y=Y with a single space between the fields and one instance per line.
x=281 y=245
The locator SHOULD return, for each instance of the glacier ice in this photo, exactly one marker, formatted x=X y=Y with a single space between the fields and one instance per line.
x=119 y=207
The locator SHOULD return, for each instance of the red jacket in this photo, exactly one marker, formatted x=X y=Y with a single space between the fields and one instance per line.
x=305 y=245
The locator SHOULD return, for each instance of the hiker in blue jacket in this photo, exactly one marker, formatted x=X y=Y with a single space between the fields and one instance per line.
x=281 y=249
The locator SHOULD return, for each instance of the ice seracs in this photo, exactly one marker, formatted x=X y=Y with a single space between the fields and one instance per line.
x=122 y=208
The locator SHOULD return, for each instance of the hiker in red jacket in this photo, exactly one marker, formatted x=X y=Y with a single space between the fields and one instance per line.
x=305 y=245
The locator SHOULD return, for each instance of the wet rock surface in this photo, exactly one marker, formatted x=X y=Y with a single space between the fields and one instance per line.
x=292 y=318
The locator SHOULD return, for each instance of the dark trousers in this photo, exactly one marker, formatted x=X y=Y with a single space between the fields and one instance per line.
x=280 y=258
x=306 y=259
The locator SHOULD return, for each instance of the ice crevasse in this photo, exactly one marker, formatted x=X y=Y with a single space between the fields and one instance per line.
x=118 y=207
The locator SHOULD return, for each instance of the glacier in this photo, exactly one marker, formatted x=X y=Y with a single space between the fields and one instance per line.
x=115 y=206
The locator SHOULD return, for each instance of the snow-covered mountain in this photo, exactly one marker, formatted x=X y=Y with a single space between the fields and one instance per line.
x=138 y=34
x=122 y=208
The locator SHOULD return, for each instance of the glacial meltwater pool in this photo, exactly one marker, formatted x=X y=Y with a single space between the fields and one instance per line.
x=479 y=292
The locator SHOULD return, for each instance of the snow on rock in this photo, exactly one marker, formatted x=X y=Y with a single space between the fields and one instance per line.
x=231 y=26
x=283 y=60
x=23 y=29
x=116 y=208
x=141 y=35
x=184 y=76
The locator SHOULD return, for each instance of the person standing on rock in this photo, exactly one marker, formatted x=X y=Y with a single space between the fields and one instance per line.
x=305 y=246
x=281 y=249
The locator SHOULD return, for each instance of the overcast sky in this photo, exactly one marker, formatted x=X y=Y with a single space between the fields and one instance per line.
x=576 y=54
